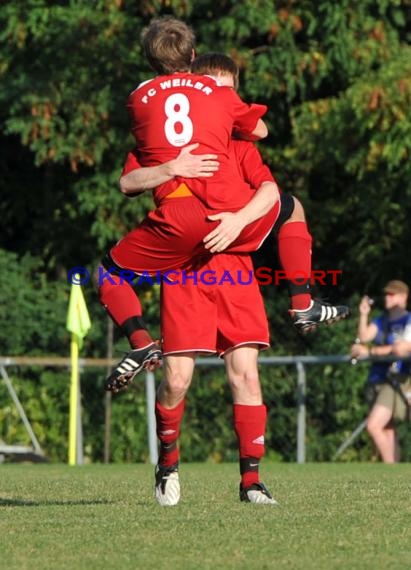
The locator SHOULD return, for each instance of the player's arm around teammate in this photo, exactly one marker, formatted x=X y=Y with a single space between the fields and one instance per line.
x=136 y=179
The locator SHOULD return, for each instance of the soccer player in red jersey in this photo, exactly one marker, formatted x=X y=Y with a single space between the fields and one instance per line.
x=185 y=332
x=173 y=234
x=216 y=309
x=178 y=108
x=117 y=294
x=163 y=112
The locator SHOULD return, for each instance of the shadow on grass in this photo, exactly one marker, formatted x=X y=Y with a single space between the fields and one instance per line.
x=28 y=503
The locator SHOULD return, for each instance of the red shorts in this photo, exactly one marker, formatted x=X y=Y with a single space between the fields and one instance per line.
x=213 y=309
x=172 y=235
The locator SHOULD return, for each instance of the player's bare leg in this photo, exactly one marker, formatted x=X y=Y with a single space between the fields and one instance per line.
x=249 y=421
x=178 y=372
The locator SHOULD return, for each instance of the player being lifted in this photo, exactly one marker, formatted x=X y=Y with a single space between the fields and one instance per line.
x=169 y=112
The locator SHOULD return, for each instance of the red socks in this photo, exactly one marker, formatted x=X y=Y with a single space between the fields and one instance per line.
x=249 y=425
x=122 y=304
x=294 y=252
x=168 y=430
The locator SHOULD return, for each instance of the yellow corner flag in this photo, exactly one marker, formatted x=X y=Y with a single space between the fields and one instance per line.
x=78 y=323
x=78 y=319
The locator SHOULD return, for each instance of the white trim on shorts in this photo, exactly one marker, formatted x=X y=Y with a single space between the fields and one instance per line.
x=263 y=345
x=197 y=350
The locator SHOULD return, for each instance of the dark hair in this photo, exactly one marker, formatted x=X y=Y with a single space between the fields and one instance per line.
x=213 y=63
x=168 y=44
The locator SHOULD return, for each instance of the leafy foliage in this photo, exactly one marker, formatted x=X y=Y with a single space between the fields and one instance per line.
x=336 y=79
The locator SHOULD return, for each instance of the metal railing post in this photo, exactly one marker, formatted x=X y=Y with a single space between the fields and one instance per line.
x=301 y=386
x=36 y=446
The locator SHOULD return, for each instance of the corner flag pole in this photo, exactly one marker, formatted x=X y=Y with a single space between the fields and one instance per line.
x=78 y=323
x=74 y=411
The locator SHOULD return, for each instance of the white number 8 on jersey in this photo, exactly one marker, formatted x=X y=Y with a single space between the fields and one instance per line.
x=178 y=117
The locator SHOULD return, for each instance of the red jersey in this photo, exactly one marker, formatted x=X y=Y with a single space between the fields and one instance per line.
x=172 y=111
x=247 y=160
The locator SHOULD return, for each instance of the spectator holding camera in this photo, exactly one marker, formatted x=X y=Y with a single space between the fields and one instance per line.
x=387 y=335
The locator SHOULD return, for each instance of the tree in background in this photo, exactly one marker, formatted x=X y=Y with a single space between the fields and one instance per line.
x=336 y=78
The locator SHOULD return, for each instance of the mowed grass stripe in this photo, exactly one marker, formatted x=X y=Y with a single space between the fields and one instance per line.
x=331 y=516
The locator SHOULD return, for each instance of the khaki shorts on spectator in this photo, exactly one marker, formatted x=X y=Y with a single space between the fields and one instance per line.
x=391 y=399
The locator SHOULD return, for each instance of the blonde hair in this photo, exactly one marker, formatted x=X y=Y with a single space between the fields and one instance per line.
x=168 y=44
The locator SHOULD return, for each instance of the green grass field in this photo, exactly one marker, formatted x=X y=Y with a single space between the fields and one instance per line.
x=331 y=516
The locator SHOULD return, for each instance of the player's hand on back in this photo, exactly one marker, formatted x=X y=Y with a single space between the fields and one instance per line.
x=226 y=232
x=190 y=165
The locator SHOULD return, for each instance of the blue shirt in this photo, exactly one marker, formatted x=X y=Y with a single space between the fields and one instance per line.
x=388 y=333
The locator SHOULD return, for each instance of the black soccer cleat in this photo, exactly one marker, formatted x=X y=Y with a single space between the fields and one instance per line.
x=256 y=493
x=317 y=313
x=134 y=362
